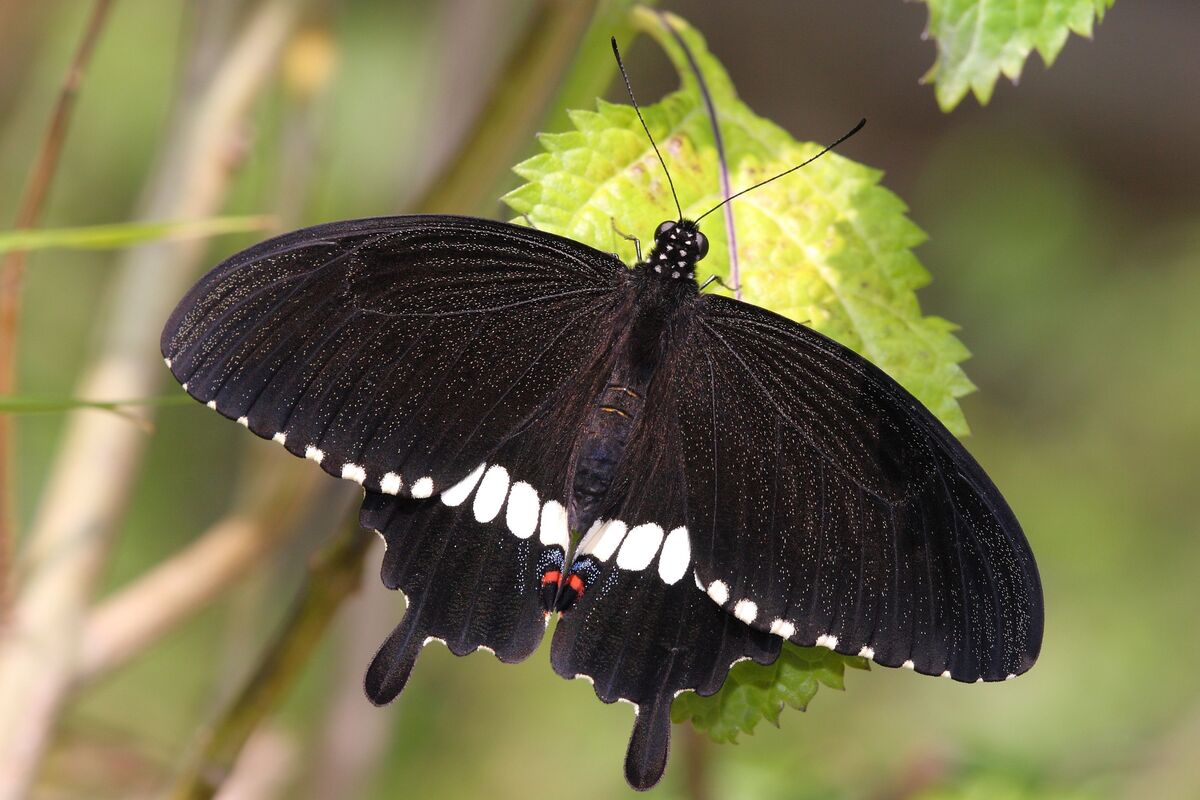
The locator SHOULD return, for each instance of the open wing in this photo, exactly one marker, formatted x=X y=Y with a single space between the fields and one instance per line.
x=829 y=507
x=371 y=346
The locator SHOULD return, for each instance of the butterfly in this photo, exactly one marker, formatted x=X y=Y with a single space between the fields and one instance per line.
x=681 y=479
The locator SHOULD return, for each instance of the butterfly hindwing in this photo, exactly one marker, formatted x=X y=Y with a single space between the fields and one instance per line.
x=393 y=351
x=829 y=507
x=642 y=631
x=471 y=560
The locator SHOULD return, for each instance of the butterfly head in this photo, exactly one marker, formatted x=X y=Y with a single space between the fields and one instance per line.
x=677 y=248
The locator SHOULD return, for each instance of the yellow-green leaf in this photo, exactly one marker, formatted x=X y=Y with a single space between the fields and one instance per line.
x=978 y=40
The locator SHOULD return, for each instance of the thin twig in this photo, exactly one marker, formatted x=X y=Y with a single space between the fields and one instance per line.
x=93 y=474
x=12 y=269
x=335 y=575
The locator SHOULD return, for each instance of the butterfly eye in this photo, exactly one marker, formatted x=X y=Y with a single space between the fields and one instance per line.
x=701 y=245
x=663 y=228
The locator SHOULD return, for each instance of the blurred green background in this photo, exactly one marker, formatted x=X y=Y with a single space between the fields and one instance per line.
x=1064 y=233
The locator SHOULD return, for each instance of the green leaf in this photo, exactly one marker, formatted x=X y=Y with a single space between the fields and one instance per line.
x=977 y=40
x=97 y=237
x=753 y=692
x=827 y=246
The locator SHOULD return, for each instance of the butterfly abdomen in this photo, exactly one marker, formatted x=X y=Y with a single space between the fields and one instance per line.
x=614 y=415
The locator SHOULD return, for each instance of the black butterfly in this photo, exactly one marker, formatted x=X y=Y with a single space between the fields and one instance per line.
x=738 y=479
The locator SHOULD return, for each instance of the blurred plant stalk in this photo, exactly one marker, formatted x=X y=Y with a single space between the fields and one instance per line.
x=91 y=478
x=12 y=270
x=55 y=646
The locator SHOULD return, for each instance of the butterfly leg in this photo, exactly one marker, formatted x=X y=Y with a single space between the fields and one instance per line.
x=637 y=243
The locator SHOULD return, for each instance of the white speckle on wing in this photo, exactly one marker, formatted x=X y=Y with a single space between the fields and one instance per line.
x=460 y=491
x=827 y=640
x=422 y=488
x=554 y=531
x=243 y=421
x=391 y=483
x=491 y=494
x=909 y=664
x=640 y=546
x=605 y=540
x=212 y=404
x=675 y=557
x=521 y=515
x=867 y=652
x=353 y=472
x=746 y=610
x=280 y=437
x=782 y=627
x=719 y=592
x=314 y=454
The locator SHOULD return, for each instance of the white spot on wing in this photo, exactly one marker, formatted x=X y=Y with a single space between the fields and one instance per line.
x=675 y=557
x=391 y=483
x=946 y=674
x=313 y=454
x=491 y=493
x=719 y=592
x=909 y=664
x=522 y=512
x=1010 y=676
x=554 y=525
x=244 y=422
x=212 y=404
x=782 y=627
x=603 y=539
x=867 y=652
x=639 y=547
x=422 y=488
x=827 y=640
x=167 y=361
x=461 y=490
x=353 y=472
x=280 y=437
x=746 y=610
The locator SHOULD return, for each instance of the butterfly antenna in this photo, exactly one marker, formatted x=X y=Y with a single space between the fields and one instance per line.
x=629 y=88
x=841 y=139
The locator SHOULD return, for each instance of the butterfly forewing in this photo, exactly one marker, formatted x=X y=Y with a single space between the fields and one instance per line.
x=829 y=507
x=395 y=351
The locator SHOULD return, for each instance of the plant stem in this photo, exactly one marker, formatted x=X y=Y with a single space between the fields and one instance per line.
x=93 y=474
x=12 y=269
x=335 y=575
x=139 y=615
